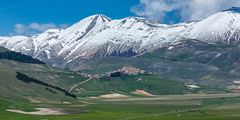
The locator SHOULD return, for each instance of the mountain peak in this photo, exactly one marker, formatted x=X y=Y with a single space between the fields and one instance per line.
x=82 y=27
x=102 y=17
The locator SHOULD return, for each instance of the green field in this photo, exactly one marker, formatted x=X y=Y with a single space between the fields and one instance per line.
x=197 y=107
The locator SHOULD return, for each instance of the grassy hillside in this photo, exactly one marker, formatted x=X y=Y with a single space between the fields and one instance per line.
x=51 y=85
x=126 y=84
x=12 y=87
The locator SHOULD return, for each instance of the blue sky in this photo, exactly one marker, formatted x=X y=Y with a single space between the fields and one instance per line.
x=14 y=12
x=27 y=17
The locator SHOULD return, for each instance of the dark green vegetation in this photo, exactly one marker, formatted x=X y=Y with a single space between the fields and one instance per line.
x=29 y=80
x=188 y=61
x=10 y=55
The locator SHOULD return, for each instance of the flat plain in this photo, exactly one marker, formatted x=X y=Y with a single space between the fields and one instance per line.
x=164 y=107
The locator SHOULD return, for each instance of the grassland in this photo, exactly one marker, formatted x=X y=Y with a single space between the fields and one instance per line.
x=225 y=107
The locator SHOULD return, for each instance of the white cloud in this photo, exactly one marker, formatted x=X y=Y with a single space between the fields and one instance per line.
x=19 y=28
x=188 y=9
x=33 y=28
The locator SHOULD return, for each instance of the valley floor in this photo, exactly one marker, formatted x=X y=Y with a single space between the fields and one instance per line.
x=169 y=107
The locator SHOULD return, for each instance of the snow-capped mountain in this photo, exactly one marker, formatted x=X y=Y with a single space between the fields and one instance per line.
x=99 y=36
x=222 y=27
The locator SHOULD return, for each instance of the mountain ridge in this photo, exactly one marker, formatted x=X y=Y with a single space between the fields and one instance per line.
x=99 y=36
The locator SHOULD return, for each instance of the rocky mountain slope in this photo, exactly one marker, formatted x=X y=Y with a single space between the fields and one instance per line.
x=98 y=36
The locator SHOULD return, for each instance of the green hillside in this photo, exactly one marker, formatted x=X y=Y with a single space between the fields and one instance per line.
x=51 y=86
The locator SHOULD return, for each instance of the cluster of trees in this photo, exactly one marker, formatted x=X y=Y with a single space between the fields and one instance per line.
x=25 y=78
x=10 y=55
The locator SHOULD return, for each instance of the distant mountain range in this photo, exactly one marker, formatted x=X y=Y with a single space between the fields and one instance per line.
x=98 y=36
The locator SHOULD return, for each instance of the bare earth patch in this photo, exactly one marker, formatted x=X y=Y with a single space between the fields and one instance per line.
x=36 y=100
x=178 y=97
x=142 y=93
x=40 y=111
x=113 y=96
